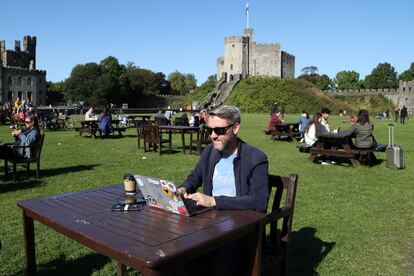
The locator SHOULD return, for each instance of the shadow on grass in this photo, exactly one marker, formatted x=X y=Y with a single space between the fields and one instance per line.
x=85 y=265
x=307 y=251
x=65 y=170
x=11 y=187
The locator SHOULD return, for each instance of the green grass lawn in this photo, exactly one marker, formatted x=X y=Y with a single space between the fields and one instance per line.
x=348 y=220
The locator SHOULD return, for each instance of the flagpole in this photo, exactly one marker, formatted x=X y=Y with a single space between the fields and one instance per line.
x=247 y=14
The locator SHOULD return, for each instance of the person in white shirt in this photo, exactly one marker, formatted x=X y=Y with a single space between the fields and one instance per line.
x=325 y=115
x=312 y=129
x=90 y=116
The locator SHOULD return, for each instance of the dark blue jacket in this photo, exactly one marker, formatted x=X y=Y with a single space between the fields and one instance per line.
x=251 y=178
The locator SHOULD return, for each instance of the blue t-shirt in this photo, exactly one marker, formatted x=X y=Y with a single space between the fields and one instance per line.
x=223 y=177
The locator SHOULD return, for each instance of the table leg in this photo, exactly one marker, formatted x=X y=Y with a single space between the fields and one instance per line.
x=121 y=269
x=29 y=245
x=183 y=140
x=257 y=241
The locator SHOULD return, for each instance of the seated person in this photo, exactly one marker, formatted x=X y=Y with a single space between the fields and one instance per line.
x=89 y=115
x=160 y=118
x=324 y=123
x=274 y=121
x=363 y=129
x=312 y=129
x=26 y=137
x=105 y=122
x=234 y=175
x=303 y=121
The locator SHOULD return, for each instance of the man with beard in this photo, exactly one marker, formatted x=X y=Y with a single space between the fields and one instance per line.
x=234 y=175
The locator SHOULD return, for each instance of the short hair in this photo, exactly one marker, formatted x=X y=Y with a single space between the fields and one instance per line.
x=325 y=110
x=230 y=113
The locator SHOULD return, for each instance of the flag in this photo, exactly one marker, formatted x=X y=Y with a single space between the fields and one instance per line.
x=247 y=8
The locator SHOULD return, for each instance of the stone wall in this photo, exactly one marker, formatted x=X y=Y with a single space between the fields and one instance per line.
x=403 y=96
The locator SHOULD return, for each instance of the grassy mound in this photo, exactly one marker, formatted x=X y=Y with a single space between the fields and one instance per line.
x=257 y=95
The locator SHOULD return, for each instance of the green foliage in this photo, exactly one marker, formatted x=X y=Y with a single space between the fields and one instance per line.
x=382 y=76
x=54 y=93
x=407 y=75
x=257 y=95
x=182 y=84
x=374 y=104
x=310 y=70
x=312 y=78
x=324 y=82
x=111 y=82
x=347 y=80
x=200 y=93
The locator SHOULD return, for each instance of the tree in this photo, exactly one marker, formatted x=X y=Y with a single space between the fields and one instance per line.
x=54 y=93
x=408 y=74
x=82 y=84
x=181 y=84
x=347 y=80
x=310 y=70
x=324 y=82
x=382 y=76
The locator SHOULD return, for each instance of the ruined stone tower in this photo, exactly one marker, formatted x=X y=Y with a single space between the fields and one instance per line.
x=18 y=75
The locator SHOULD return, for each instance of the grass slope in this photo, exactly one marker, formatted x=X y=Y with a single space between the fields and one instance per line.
x=257 y=95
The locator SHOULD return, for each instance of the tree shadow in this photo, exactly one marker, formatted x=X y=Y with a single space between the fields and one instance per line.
x=306 y=251
x=65 y=170
x=84 y=265
x=11 y=187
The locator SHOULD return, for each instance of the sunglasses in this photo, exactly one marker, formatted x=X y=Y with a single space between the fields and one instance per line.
x=27 y=122
x=218 y=130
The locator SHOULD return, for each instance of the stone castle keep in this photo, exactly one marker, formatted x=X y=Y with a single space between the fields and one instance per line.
x=18 y=75
x=245 y=58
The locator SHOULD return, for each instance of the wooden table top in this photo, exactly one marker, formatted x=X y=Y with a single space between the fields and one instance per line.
x=146 y=238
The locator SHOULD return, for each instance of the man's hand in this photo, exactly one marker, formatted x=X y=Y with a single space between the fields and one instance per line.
x=16 y=132
x=203 y=200
x=183 y=192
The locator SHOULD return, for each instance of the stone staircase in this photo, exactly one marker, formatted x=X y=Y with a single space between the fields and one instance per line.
x=219 y=94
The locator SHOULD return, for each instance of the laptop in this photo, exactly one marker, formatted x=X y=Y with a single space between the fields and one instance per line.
x=163 y=194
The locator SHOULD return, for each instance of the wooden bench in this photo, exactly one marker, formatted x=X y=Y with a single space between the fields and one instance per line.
x=340 y=145
x=304 y=147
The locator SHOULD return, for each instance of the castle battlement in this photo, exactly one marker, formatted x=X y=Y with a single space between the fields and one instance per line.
x=233 y=39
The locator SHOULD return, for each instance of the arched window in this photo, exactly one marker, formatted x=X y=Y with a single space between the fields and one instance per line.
x=29 y=81
x=10 y=80
x=19 y=80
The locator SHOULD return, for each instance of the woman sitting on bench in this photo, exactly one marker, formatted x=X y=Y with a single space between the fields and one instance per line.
x=312 y=129
x=363 y=129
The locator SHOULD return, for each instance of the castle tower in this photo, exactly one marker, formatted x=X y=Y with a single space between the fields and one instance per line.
x=30 y=47
x=17 y=45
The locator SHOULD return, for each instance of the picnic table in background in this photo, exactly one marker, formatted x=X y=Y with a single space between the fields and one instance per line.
x=152 y=241
x=289 y=130
x=170 y=129
x=91 y=127
x=340 y=145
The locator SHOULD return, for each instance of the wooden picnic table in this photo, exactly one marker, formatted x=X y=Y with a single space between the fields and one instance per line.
x=178 y=129
x=338 y=145
x=91 y=127
x=289 y=130
x=152 y=241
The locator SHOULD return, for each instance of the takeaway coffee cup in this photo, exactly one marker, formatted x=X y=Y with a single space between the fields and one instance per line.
x=130 y=184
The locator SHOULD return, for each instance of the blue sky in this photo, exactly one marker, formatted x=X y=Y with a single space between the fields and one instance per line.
x=188 y=35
